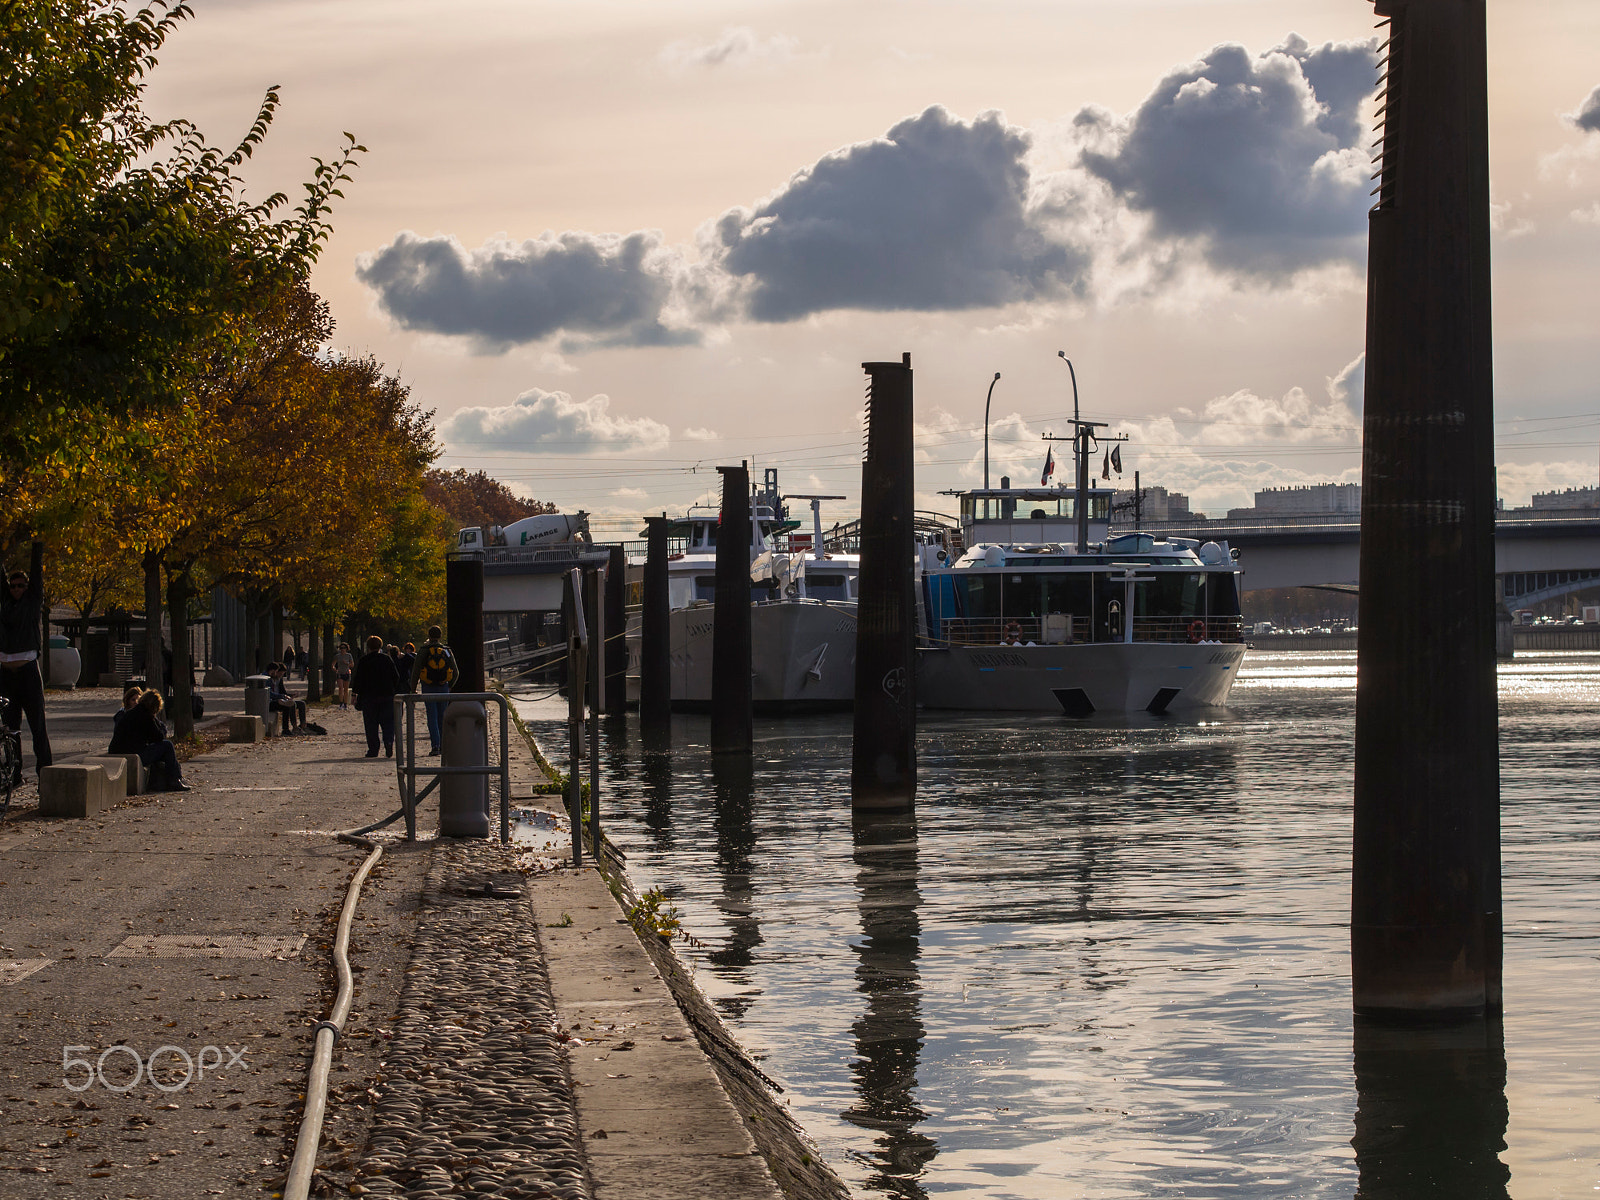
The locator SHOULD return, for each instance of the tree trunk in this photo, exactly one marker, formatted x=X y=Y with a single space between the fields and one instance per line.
x=252 y=634
x=313 y=665
x=153 y=674
x=276 y=626
x=178 y=592
x=328 y=648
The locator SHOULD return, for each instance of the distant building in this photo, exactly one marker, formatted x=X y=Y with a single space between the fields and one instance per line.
x=1315 y=499
x=1159 y=505
x=1584 y=497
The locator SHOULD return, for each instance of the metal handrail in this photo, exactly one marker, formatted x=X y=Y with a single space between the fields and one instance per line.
x=405 y=761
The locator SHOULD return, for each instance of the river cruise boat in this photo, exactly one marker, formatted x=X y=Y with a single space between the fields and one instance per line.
x=802 y=610
x=1037 y=606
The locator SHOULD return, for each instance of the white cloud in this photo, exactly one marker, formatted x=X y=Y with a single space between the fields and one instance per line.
x=552 y=422
x=700 y=435
x=735 y=46
x=1517 y=482
x=1587 y=115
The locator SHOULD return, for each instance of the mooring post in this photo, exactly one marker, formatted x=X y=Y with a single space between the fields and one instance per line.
x=463 y=615
x=1425 y=929
x=577 y=672
x=732 y=723
x=655 y=634
x=616 y=701
x=883 y=767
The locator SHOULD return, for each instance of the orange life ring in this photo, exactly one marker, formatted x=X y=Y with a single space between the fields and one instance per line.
x=1197 y=631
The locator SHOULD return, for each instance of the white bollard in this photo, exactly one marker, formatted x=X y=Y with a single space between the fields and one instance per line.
x=464 y=799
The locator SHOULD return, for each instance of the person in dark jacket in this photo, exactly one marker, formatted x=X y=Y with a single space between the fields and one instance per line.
x=375 y=682
x=20 y=680
x=141 y=731
x=280 y=700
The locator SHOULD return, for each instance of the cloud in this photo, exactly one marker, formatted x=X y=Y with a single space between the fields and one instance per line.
x=700 y=435
x=933 y=216
x=735 y=46
x=551 y=421
x=1257 y=161
x=1517 y=482
x=1587 y=116
x=604 y=289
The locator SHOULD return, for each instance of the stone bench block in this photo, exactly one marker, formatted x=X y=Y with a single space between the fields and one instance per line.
x=77 y=790
x=246 y=728
x=128 y=769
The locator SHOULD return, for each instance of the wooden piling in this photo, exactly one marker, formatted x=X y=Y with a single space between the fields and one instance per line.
x=655 y=634
x=883 y=768
x=732 y=699
x=1425 y=915
x=616 y=698
x=463 y=609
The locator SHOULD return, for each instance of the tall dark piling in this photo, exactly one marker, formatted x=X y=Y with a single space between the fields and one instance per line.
x=883 y=768
x=463 y=615
x=655 y=634
x=1425 y=916
x=731 y=699
x=616 y=698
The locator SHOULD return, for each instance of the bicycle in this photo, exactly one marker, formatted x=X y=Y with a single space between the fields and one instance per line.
x=10 y=757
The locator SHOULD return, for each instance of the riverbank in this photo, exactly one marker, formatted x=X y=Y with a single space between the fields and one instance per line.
x=164 y=964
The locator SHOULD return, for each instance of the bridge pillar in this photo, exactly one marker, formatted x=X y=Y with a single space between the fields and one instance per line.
x=1425 y=917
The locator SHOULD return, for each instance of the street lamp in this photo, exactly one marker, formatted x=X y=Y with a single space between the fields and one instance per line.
x=986 y=400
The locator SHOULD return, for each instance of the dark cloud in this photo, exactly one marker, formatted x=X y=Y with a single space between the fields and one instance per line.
x=551 y=421
x=1260 y=159
x=933 y=216
x=1587 y=118
x=608 y=289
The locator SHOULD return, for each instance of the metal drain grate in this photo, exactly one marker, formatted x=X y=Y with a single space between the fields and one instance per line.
x=15 y=971
x=199 y=945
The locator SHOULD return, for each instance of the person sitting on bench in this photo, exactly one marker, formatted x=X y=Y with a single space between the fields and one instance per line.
x=280 y=701
x=141 y=731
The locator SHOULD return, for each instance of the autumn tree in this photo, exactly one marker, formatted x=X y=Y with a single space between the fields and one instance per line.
x=127 y=251
x=476 y=498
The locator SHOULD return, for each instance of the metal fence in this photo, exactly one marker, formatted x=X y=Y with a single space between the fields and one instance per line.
x=405 y=760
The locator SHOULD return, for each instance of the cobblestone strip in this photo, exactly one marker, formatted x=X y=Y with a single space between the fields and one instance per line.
x=476 y=1095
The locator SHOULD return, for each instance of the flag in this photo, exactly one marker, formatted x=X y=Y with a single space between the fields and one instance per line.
x=1116 y=459
x=1049 y=466
x=1105 y=468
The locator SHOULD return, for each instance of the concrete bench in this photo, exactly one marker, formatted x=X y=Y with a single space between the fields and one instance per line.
x=136 y=779
x=247 y=727
x=82 y=789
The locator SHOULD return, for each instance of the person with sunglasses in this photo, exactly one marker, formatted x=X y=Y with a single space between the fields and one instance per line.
x=21 y=610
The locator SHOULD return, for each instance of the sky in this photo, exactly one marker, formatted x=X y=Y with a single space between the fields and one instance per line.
x=614 y=243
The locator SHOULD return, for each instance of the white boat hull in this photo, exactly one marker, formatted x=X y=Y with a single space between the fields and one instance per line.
x=1079 y=679
x=802 y=655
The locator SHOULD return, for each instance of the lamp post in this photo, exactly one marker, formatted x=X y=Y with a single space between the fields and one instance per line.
x=1080 y=461
x=986 y=400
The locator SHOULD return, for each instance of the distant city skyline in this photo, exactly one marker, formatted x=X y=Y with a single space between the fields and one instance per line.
x=614 y=245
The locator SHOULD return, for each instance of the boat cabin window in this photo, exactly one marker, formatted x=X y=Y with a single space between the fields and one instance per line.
x=705 y=534
x=1005 y=508
x=705 y=587
x=827 y=587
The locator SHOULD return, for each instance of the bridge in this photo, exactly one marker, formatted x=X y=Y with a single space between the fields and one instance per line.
x=1537 y=557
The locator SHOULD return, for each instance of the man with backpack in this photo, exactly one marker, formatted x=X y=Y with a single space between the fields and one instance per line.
x=434 y=672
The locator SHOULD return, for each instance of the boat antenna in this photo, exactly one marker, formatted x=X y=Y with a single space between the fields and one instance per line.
x=986 y=400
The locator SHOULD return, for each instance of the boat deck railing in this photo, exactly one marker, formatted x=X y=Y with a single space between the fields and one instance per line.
x=1062 y=629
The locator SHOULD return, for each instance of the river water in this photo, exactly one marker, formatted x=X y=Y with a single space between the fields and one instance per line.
x=1111 y=960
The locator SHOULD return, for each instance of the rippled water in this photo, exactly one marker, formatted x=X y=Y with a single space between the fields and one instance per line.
x=1112 y=960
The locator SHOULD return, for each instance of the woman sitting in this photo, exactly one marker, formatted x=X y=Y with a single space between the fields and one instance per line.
x=141 y=731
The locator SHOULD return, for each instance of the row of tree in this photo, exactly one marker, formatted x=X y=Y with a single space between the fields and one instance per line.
x=171 y=416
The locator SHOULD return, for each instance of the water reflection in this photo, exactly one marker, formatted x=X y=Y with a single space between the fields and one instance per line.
x=889 y=1033
x=1431 y=1112
x=733 y=823
x=656 y=787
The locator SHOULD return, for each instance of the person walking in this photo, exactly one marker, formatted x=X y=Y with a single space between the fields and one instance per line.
x=375 y=682
x=433 y=672
x=343 y=663
x=21 y=609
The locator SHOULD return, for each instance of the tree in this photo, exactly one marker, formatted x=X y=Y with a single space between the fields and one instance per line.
x=127 y=250
x=477 y=499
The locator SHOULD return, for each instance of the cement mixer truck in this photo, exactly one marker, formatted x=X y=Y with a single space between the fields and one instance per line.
x=548 y=529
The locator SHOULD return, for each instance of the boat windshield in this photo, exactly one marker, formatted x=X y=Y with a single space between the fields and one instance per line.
x=1040 y=507
x=827 y=587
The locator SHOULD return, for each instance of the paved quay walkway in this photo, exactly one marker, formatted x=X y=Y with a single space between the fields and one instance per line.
x=162 y=966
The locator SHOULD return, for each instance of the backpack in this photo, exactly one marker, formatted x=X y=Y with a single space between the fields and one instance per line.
x=438 y=666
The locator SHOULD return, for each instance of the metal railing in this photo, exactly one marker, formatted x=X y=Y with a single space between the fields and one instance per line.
x=405 y=759
x=1060 y=629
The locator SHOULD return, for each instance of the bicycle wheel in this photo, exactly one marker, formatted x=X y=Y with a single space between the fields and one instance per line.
x=10 y=761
